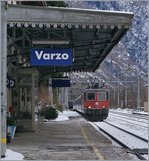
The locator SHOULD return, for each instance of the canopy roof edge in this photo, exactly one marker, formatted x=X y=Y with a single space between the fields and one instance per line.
x=34 y=14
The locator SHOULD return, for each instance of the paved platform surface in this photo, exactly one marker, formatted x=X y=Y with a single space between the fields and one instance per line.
x=74 y=139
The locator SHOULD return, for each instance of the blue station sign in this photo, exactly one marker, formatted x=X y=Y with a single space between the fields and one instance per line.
x=60 y=82
x=10 y=82
x=51 y=57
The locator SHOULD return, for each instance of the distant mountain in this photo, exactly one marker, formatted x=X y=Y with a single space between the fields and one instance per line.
x=135 y=41
x=136 y=38
x=128 y=60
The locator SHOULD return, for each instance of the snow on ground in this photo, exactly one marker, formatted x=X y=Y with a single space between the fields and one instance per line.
x=127 y=139
x=134 y=128
x=139 y=129
x=63 y=116
x=130 y=141
x=130 y=111
x=11 y=155
x=71 y=113
x=126 y=110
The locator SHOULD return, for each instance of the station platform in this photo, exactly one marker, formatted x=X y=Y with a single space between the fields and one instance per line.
x=74 y=139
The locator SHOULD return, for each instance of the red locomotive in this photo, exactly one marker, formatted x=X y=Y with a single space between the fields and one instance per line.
x=93 y=103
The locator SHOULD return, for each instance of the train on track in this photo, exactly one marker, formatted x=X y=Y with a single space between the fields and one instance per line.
x=93 y=104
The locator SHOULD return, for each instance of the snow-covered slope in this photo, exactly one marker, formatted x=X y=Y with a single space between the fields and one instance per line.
x=128 y=60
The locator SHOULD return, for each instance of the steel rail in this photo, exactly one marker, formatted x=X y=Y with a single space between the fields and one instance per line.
x=139 y=116
x=120 y=143
x=133 y=151
x=139 y=137
x=130 y=121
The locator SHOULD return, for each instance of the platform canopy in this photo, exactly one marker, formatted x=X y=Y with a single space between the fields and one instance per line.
x=90 y=33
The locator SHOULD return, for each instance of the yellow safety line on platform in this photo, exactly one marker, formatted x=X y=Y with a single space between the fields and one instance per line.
x=84 y=135
x=98 y=154
x=3 y=140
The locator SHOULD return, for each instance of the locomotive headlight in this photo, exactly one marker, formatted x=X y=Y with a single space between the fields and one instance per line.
x=96 y=103
x=103 y=106
x=89 y=107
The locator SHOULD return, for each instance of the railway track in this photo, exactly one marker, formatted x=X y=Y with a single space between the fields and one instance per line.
x=137 y=152
x=131 y=121
x=131 y=116
x=143 y=139
x=135 y=115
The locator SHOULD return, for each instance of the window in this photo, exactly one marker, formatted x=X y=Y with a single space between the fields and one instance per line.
x=91 y=96
x=102 y=96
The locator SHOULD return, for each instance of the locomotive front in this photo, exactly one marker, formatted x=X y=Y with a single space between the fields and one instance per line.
x=96 y=104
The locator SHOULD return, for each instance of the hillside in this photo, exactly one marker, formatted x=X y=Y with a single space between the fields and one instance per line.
x=125 y=69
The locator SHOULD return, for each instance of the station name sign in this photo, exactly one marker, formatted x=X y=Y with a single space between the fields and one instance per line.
x=10 y=82
x=51 y=57
x=60 y=82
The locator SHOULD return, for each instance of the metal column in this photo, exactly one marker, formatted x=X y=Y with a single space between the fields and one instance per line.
x=138 y=90
x=3 y=75
x=66 y=98
x=0 y=87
